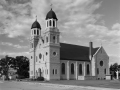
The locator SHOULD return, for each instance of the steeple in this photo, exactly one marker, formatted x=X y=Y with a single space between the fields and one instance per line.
x=36 y=28
x=51 y=19
x=36 y=24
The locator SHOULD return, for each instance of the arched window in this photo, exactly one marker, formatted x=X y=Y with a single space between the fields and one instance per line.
x=37 y=32
x=53 y=71
x=72 y=68
x=101 y=63
x=39 y=71
x=88 y=71
x=97 y=70
x=80 y=69
x=53 y=23
x=34 y=31
x=50 y=22
x=105 y=71
x=63 y=68
x=53 y=39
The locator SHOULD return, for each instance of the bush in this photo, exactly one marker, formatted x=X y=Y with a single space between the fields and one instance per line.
x=40 y=79
x=20 y=77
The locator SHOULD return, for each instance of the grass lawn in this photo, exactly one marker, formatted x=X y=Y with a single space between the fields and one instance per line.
x=94 y=83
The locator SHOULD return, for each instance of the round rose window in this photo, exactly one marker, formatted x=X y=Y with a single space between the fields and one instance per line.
x=101 y=63
x=54 y=53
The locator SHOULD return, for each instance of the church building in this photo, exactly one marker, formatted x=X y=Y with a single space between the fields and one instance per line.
x=53 y=60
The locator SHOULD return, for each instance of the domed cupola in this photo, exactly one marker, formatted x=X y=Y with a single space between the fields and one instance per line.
x=36 y=28
x=51 y=19
x=51 y=15
x=36 y=25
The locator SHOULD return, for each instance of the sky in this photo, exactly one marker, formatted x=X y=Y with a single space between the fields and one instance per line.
x=79 y=21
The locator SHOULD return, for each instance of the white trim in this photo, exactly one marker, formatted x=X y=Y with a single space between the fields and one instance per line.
x=97 y=51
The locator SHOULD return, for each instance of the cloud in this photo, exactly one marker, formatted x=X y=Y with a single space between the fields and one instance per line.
x=13 y=45
x=14 y=54
x=103 y=33
x=15 y=17
x=76 y=19
x=114 y=59
x=116 y=26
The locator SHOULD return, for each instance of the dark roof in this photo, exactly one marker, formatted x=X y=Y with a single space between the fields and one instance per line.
x=36 y=25
x=74 y=52
x=51 y=15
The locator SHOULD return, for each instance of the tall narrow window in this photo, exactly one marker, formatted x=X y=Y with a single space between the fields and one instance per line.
x=34 y=31
x=53 y=23
x=88 y=71
x=97 y=70
x=53 y=39
x=105 y=71
x=80 y=69
x=50 y=22
x=72 y=68
x=53 y=71
x=37 y=32
x=63 y=68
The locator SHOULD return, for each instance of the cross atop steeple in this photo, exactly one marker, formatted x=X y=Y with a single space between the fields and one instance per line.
x=51 y=6
x=36 y=17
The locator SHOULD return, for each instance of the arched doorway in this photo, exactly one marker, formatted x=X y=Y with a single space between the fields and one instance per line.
x=39 y=72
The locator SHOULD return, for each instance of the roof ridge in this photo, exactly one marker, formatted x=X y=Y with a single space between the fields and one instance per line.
x=75 y=45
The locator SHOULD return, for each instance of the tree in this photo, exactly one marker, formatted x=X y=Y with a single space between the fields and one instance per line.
x=5 y=64
x=113 y=68
x=22 y=66
x=20 y=63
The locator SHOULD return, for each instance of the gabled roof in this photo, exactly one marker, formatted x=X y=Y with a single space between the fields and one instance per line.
x=74 y=52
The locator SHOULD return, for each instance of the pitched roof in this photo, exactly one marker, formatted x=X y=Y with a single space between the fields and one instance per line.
x=74 y=52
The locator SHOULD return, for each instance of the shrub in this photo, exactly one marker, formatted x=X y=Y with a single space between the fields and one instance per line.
x=40 y=79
